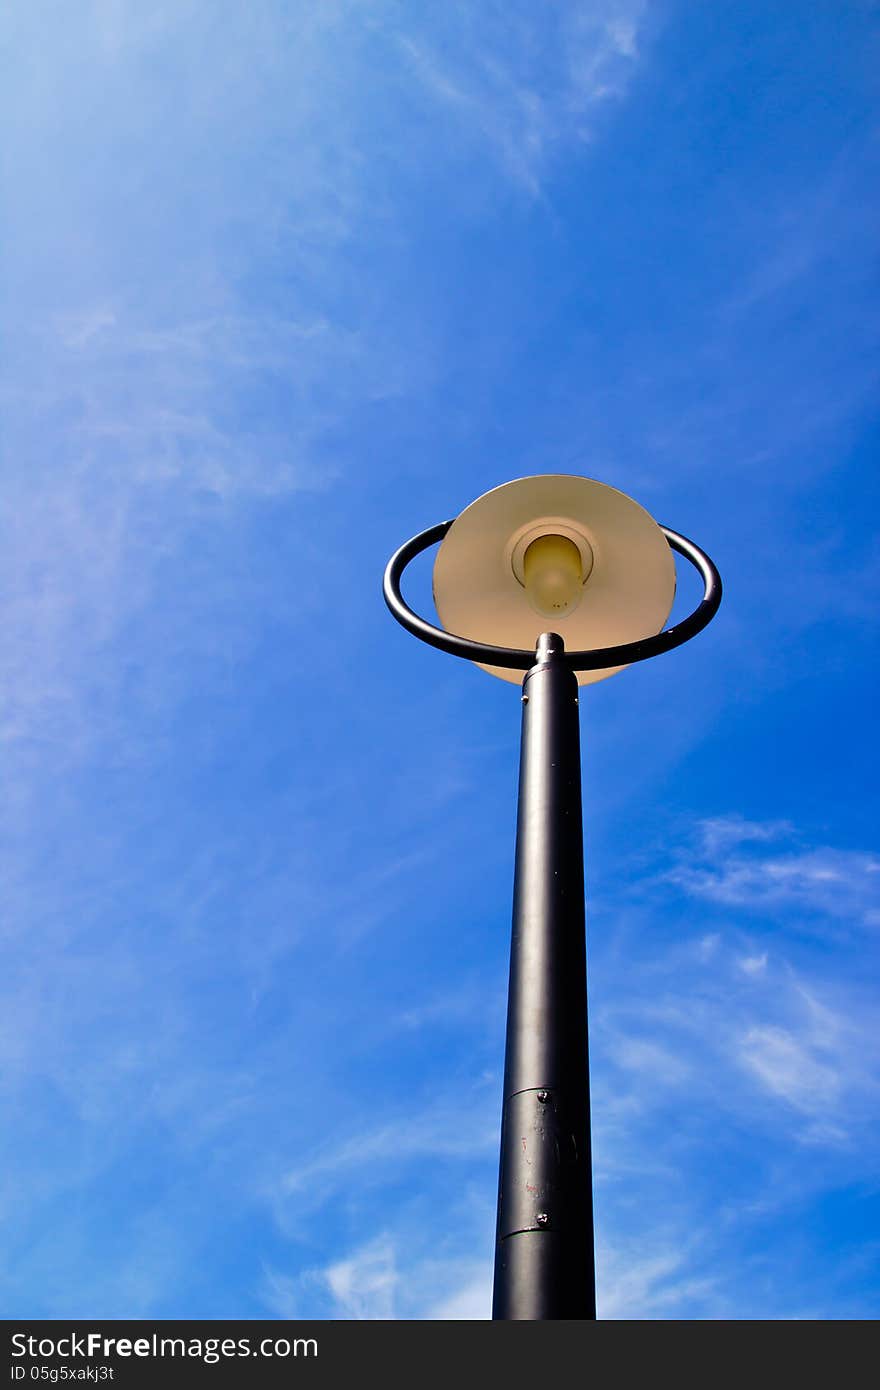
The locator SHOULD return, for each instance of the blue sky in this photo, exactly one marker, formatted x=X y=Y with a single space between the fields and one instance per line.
x=282 y=284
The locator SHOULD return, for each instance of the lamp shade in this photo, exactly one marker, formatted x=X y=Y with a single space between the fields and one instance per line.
x=606 y=577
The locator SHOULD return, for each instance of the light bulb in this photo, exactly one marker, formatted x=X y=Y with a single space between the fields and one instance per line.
x=554 y=576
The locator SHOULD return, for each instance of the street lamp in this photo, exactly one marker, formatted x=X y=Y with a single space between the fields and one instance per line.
x=533 y=556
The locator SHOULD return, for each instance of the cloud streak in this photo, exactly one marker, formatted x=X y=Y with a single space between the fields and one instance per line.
x=732 y=868
x=527 y=87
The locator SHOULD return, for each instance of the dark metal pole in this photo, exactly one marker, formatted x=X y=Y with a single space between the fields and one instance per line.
x=544 y=1245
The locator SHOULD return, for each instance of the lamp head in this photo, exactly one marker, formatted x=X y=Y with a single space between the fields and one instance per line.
x=554 y=550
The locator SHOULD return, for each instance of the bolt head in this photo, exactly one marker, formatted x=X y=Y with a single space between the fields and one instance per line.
x=543 y=1097
x=542 y=1218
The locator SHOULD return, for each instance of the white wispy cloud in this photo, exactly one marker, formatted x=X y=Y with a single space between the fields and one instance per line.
x=702 y=1056
x=743 y=1014
x=790 y=1067
x=821 y=1061
x=526 y=85
x=753 y=965
x=652 y=1278
x=389 y=1277
x=447 y=1130
x=363 y=1285
x=471 y=1299
x=731 y=867
x=719 y=833
x=650 y=1060
x=148 y=387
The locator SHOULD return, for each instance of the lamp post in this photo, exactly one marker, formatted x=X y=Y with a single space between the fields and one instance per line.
x=519 y=567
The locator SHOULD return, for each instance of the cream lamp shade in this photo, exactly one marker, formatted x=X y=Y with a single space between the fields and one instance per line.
x=554 y=553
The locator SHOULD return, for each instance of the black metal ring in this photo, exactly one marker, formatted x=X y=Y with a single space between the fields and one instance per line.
x=517 y=659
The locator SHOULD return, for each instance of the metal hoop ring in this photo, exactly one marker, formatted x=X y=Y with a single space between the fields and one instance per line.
x=518 y=659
